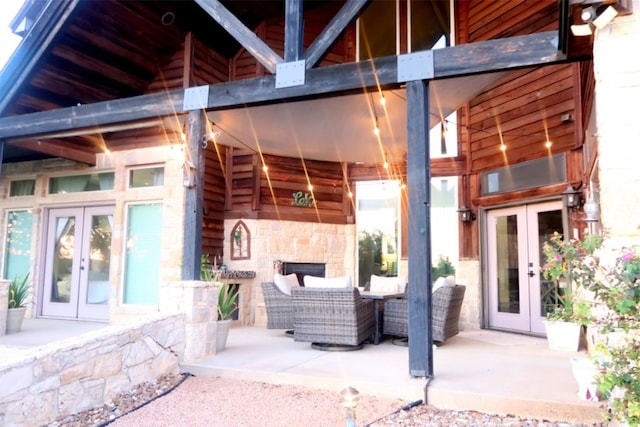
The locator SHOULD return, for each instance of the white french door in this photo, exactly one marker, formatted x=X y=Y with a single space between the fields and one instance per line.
x=518 y=297
x=77 y=263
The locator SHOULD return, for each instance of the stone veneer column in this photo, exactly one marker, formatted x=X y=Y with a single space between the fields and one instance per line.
x=617 y=74
x=199 y=303
x=4 y=305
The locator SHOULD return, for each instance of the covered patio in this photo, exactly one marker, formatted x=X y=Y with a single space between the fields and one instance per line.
x=478 y=370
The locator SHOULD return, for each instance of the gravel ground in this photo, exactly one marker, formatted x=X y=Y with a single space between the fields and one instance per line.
x=213 y=402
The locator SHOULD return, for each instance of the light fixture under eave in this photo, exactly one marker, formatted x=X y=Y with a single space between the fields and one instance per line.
x=571 y=198
x=466 y=214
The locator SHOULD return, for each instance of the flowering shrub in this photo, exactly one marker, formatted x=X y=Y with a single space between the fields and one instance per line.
x=565 y=263
x=614 y=278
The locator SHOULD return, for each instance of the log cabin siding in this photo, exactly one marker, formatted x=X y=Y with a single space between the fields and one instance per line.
x=510 y=113
x=213 y=201
x=289 y=176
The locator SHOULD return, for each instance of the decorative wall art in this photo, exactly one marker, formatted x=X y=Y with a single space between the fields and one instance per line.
x=240 y=241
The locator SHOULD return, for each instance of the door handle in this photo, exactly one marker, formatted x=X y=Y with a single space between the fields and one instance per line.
x=531 y=273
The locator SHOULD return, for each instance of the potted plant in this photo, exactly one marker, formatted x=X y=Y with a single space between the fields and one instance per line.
x=18 y=294
x=566 y=322
x=227 y=297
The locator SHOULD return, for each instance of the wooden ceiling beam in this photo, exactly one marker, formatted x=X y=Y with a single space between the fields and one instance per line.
x=473 y=58
x=57 y=150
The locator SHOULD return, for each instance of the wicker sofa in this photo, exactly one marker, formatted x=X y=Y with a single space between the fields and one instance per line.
x=332 y=316
x=279 y=307
x=446 y=301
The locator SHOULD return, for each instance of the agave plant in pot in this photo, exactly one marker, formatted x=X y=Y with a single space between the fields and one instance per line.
x=227 y=298
x=18 y=294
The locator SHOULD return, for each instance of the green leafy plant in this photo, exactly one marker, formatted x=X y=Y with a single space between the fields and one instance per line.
x=227 y=297
x=443 y=268
x=613 y=276
x=207 y=272
x=571 y=309
x=19 y=291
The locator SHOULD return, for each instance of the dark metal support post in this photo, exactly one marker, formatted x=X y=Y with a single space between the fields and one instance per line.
x=418 y=184
x=194 y=182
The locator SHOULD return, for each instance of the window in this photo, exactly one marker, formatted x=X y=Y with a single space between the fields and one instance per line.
x=534 y=173
x=142 y=254
x=444 y=219
x=23 y=187
x=79 y=183
x=18 y=249
x=147 y=177
x=381 y=31
x=378 y=227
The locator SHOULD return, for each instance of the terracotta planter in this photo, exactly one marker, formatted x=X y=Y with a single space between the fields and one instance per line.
x=563 y=336
x=222 y=332
x=15 y=316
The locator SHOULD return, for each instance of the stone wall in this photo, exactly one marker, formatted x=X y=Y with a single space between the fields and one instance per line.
x=198 y=301
x=69 y=376
x=617 y=74
x=468 y=274
x=272 y=240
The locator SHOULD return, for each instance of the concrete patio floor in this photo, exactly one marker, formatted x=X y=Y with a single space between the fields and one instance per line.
x=479 y=370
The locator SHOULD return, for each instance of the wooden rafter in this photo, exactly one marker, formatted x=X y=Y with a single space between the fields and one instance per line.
x=57 y=150
x=293 y=30
x=328 y=36
x=473 y=58
x=247 y=38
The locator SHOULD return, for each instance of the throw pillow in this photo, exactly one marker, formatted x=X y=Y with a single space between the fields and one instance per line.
x=285 y=283
x=325 y=282
x=438 y=284
x=386 y=284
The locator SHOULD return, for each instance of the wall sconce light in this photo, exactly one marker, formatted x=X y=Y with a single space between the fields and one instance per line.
x=591 y=210
x=572 y=199
x=466 y=214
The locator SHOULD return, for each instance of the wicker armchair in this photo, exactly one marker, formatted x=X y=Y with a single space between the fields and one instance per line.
x=332 y=316
x=447 y=302
x=279 y=307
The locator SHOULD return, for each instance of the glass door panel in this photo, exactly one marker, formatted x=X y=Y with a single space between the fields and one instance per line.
x=507 y=264
x=77 y=264
x=96 y=263
x=518 y=299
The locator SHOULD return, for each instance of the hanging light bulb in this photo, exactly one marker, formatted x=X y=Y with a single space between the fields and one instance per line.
x=386 y=165
x=503 y=147
x=376 y=130
x=264 y=167
x=383 y=100
x=548 y=144
x=443 y=137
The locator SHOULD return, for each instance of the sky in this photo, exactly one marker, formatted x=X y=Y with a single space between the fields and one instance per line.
x=8 y=40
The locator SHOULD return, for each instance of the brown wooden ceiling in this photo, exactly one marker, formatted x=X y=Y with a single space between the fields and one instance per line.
x=113 y=49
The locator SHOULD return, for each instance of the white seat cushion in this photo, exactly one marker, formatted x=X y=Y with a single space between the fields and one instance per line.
x=285 y=283
x=325 y=282
x=440 y=282
x=386 y=284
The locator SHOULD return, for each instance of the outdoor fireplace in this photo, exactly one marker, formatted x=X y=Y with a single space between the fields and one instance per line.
x=302 y=269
